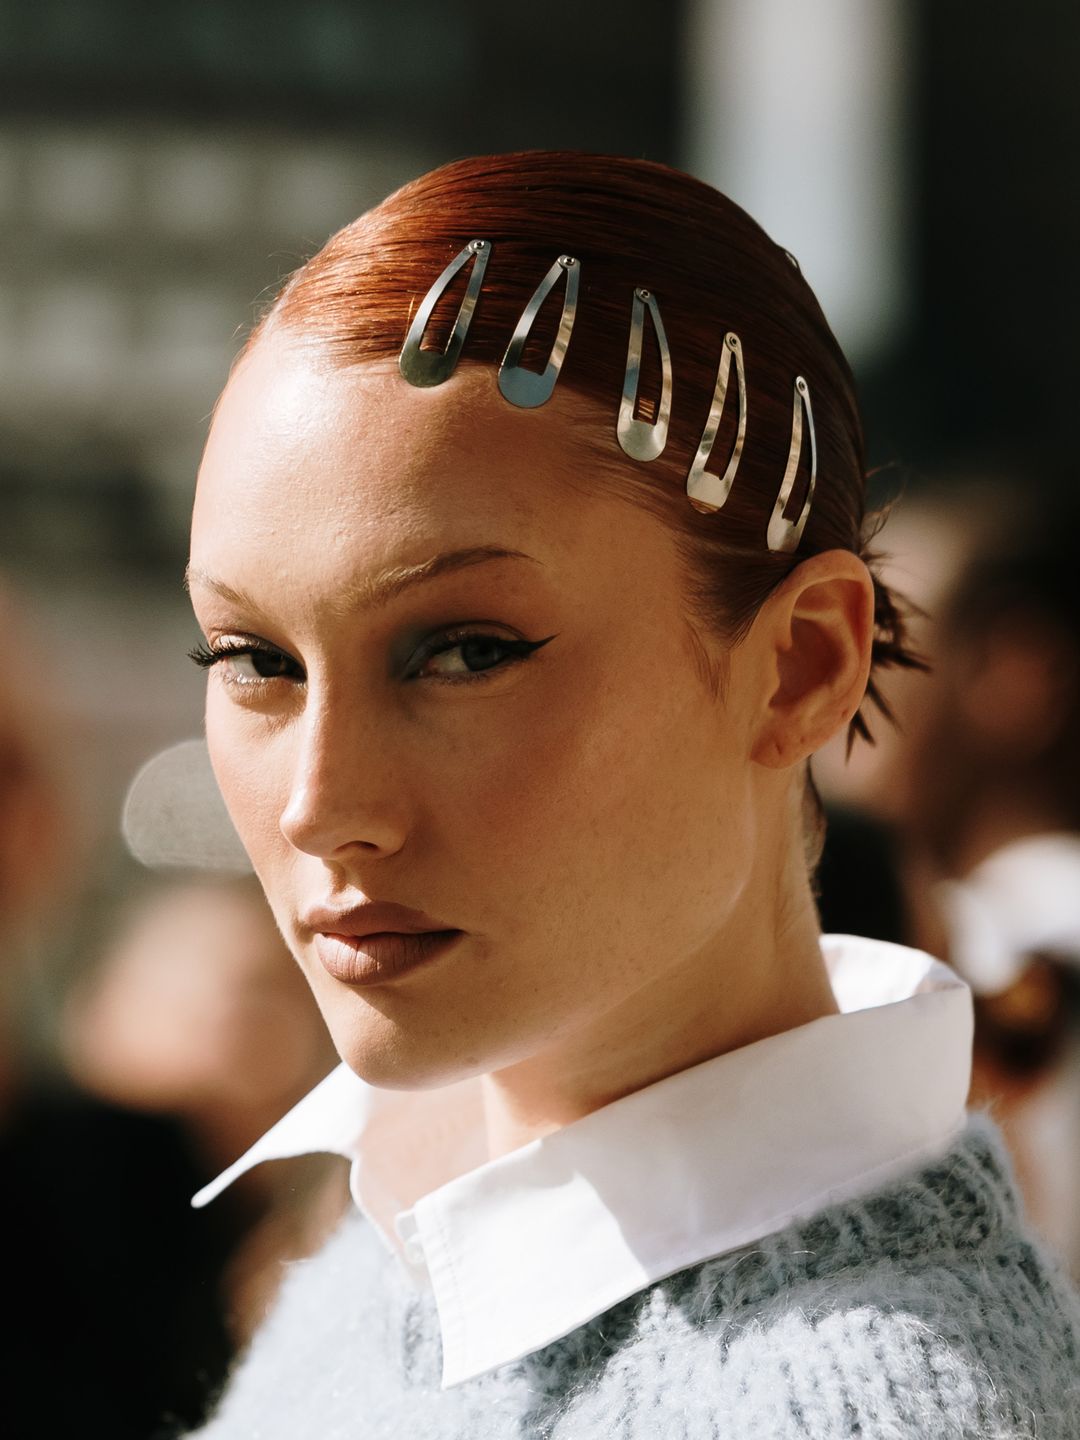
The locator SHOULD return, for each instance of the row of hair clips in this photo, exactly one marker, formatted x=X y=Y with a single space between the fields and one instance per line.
x=640 y=439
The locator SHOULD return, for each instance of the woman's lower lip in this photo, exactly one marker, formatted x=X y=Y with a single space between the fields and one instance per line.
x=374 y=959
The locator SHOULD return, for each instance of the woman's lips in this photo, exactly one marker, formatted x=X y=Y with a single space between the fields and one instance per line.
x=385 y=955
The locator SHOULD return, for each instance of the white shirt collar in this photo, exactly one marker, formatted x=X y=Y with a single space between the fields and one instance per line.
x=523 y=1249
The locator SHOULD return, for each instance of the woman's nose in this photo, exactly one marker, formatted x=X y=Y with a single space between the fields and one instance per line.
x=342 y=794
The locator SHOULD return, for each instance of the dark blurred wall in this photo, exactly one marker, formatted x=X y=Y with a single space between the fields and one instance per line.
x=989 y=371
x=457 y=78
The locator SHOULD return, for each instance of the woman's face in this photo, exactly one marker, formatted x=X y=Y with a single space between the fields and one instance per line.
x=474 y=693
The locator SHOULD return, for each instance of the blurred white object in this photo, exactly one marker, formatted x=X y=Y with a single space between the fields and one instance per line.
x=174 y=814
x=798 y=112
x=1022 y=901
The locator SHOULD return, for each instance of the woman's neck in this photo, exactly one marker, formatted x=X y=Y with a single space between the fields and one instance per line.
x=753 y=980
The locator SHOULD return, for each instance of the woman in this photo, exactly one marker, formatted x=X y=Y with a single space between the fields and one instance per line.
x=527 y=548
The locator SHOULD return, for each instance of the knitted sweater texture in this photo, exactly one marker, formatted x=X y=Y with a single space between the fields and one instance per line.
x=919 y=1311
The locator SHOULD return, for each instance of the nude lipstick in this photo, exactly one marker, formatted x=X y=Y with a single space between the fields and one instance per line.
x=376 y=942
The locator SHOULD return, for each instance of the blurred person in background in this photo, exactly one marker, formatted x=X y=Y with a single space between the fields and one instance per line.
x=197 y=1011
x=980 y=782
x=124 y=1305
x=115 y=1323
x=33 y=882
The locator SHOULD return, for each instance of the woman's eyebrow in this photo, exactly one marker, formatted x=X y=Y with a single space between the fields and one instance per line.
x=378 y=589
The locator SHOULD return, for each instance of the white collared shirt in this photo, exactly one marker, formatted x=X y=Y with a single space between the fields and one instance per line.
x=521 y=1250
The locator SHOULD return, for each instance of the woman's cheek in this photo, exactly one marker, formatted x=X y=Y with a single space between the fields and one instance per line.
x=252 y=775
x=549 y=777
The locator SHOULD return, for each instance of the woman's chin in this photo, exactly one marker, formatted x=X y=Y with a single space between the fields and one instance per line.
x=384 y=1056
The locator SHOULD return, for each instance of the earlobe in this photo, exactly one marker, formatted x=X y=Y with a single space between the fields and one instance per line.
x=816 y=634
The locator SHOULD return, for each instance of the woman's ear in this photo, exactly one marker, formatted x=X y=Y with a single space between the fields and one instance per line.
x=815 y=636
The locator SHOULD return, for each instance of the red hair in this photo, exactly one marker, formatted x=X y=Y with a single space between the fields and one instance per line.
x=629 y=223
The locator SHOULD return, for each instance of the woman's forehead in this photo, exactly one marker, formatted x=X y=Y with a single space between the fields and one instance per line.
x=345 y=471
x=291 y=426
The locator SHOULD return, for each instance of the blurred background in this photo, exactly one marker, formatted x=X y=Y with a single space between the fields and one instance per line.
x=163 y=166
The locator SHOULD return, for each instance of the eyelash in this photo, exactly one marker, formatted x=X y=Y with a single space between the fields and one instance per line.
x=206 y=657
x=516 y=651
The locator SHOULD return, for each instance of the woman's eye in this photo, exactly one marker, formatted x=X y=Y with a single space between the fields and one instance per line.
x=258 y=665
x=248 y=664
x=453 y=659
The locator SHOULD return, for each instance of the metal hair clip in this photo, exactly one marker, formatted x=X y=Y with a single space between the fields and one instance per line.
x=528 y=388
x=432 y=367
x=786 y=534
x=708 y=492
x=644 y=439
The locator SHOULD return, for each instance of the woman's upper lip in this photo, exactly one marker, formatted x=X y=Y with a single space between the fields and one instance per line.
x=373 y=917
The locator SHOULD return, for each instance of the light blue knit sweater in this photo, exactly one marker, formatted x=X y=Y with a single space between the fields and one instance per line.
x=921 y=1311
